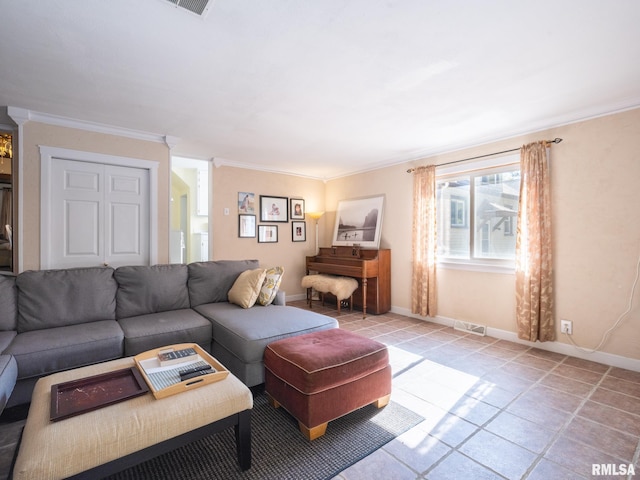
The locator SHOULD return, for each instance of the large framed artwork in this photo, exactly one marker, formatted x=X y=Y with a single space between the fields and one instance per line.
x=359 y=222
x=274 y=209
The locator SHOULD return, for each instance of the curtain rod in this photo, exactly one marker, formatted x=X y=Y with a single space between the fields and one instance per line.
x=555 y=140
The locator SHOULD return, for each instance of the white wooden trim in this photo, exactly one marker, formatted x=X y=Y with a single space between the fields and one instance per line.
x=48 y=153
x=557 y=347
x=60 y=121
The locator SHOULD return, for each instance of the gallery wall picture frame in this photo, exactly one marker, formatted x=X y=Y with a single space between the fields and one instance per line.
x=246 y=226
x=299 y=231
x=246 y=202
x=274 y=209
x=267 y=234
x=359 y=222
x=297 y=209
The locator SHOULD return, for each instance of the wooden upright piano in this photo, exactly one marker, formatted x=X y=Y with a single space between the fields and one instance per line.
x=371 y=267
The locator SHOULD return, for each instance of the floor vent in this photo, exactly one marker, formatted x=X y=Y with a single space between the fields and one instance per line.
x=470 y=328
x=199 y=7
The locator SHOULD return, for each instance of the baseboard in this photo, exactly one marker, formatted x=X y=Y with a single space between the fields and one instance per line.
x=557 y=347
x=293 y=298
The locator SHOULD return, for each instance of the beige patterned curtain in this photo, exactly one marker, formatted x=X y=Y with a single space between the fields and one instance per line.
x=423 y=288
x=534 y=267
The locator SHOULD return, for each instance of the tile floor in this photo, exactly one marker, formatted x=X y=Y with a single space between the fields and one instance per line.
x=493 y=409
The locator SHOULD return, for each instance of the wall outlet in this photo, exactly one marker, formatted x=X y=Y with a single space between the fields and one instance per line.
x=566 y=326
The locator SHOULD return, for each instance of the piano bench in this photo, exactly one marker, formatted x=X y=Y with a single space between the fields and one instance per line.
x=340 y=287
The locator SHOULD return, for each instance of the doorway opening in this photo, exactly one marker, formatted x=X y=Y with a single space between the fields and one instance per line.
x=189 y=217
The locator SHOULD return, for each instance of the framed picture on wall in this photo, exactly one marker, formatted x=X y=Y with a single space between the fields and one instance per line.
x=246 y=226
x=246 y=202
x=359 y=222
x=274 y=209
x=267 y=233
x=299 y=231
x=297 y=209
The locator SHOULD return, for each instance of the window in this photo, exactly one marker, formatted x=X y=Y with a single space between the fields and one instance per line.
x=477 y=214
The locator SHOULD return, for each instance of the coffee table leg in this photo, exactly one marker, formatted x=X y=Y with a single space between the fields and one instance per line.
x=243 y=439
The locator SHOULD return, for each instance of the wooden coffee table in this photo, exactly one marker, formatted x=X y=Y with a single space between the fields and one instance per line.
x=104 y=441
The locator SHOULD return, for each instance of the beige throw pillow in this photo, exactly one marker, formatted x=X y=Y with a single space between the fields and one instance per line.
x=246 y=288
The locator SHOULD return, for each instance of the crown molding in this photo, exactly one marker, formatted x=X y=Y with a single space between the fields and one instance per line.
x=222 y=162
x=22 y=115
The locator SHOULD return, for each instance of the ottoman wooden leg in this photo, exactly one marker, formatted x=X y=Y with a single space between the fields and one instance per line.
x=382 y=401
x=313 y=433
x=273 y=402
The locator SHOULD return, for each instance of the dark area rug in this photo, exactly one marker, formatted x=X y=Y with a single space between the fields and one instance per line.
x=279 y=451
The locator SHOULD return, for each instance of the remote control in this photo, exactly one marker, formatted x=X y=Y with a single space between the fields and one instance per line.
x=171 y=357
x=186 y=371
x=199 y=373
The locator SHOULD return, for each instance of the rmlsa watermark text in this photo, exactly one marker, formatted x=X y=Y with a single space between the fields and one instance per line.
x=608 y=469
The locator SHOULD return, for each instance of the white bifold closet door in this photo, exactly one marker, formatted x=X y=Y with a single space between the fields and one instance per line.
x=99 y=215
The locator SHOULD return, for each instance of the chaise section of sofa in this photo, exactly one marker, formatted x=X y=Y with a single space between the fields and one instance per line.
x=153 y=309
x=240 y=335
x=66 y=319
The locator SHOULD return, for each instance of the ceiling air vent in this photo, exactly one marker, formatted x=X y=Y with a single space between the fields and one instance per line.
x=199 y=7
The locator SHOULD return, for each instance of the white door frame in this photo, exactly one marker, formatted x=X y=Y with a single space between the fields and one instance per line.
x=47 y=154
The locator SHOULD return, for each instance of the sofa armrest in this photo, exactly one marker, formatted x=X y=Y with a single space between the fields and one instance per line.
x=281 y=298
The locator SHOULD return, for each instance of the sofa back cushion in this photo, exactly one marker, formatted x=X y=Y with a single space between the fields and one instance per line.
x=8 y=303
x=57 y=298
x=151 y=289
x=210 y=282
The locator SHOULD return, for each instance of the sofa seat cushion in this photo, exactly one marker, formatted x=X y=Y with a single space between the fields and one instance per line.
x=146 y=332
x=246 y=332
x=41 y=352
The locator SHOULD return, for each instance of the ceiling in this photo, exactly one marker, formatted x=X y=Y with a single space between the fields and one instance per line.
x=322 y=88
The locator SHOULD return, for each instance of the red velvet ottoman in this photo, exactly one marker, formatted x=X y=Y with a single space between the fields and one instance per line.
x=320 y=376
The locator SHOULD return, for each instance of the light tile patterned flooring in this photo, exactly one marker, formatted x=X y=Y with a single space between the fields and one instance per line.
x=493 y=409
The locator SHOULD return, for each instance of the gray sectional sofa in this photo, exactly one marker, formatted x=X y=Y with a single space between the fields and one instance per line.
x=53 y=320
